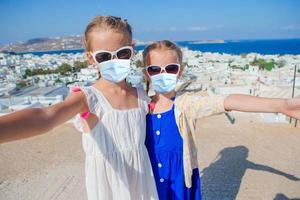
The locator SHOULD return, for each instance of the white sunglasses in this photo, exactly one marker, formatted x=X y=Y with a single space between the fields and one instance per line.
x=125 y=52
x=172 y=68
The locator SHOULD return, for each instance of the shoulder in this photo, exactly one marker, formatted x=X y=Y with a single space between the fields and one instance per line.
x=184 y=97
x=75 y=96
x=199 y=99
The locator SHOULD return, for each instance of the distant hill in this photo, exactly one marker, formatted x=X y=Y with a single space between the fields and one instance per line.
x=37 y=40
x=49 y=44
x=45 y=44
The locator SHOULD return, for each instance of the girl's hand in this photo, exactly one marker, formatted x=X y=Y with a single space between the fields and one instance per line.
x=247 y=103
x=292 y=108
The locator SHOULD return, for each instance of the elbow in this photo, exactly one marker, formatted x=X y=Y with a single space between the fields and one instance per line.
x=46 y=119
x=226 y=104
x=284 y=108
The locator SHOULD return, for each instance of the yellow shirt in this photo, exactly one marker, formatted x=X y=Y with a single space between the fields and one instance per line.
x=189 y=107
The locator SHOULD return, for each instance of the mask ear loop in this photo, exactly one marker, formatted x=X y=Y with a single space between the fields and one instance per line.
x=99 y=74
x=148 y=84
x=179 y=68
x=95 y=64
x=152 y=103
x=96 y=67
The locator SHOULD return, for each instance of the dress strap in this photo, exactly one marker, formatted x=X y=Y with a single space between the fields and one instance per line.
x=102 y=100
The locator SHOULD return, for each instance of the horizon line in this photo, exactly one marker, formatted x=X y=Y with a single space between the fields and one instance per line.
x=192 y=40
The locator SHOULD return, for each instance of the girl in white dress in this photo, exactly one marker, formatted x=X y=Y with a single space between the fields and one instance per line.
x=112 y=118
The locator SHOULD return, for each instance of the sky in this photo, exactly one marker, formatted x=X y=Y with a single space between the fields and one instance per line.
x=21 y=20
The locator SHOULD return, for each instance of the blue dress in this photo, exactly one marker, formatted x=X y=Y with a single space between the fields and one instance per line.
x=165 y=148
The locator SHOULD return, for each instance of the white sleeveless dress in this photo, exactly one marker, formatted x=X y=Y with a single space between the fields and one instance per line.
x=117 y=164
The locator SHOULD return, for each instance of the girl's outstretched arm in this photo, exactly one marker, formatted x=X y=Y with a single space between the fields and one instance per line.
x=247 y=103
x=29 y=122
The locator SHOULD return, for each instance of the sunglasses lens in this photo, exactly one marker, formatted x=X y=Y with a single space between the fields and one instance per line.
x=153 y=70
x=124 y=54
x=103 y=56
x=172 y=69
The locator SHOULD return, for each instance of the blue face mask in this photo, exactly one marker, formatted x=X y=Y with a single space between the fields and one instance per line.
x=164 y=82
x=115 y=70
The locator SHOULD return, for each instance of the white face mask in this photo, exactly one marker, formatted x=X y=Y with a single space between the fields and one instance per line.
x=164 y=82
x=115 y=70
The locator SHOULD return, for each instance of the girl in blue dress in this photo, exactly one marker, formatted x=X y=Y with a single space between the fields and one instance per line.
x=170 y=137
x=165 y=148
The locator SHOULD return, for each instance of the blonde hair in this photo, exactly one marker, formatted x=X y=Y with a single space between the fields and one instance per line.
x=116 y=24
x=163 y=45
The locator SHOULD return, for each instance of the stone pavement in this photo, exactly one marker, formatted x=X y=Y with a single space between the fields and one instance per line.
x=245 y=160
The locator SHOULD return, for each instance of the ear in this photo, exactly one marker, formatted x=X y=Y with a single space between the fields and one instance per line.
x=133 y=44
x=89 y=58
x=180 y=71
x=134 y=50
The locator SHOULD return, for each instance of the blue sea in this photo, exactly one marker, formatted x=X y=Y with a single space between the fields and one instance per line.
x=236 y=47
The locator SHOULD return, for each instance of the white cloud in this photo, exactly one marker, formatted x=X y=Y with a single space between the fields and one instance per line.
x=197 y=28
x=291 y=27
x=171 y=29
x=174 y=29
